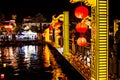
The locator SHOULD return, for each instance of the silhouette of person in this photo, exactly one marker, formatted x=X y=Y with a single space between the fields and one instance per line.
x=117 y=39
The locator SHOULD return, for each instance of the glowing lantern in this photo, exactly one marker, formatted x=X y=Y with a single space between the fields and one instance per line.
x=81 y=41
x=2 y=76
x=81 y=27
x=81 y=12
x=50 y=27
x=8 y=27
x=57 y=24
x=4 y=65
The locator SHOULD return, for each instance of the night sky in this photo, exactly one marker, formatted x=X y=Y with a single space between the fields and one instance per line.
x=31 y=7
x=25 y=8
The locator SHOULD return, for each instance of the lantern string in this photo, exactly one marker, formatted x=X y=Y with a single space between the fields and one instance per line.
x=81 y=2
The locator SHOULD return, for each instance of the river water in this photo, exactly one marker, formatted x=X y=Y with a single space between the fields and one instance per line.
x=26 y=62
x=32 y=62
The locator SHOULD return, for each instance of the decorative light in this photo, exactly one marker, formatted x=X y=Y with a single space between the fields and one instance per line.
x=8 y=27
x=92 y=2
x=81 y=41
x=57 y=33
x=2 y=76
x=81 y=27
x=57 y=29
x=81 y=12
x=51 y=30
x=4 y=65
x=50 y=27
x=57 y=24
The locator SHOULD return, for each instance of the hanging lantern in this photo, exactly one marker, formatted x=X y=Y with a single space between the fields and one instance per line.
x=2 y=76
x=81 y=41
x=57 y=24
x=81 y=27
x=81 y=12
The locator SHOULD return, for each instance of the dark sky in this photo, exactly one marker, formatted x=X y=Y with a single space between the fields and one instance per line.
x=47 y=7
x=31 y=7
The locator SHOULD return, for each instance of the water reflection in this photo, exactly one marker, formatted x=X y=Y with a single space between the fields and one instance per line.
x=27 y=63
x=26 y=53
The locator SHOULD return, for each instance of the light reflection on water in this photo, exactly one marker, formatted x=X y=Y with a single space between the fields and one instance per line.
x=31 y=56
x=11 y=53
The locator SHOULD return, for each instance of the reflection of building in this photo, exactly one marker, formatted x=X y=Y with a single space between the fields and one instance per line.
x=27 y=35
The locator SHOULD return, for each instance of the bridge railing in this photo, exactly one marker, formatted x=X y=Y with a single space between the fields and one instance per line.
x=81 y=60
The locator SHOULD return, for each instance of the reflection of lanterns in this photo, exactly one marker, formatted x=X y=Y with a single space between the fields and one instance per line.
x=81 y=27
x=81 y=12
x=81 y=41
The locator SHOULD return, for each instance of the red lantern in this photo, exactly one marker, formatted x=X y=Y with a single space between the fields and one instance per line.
x=81 y=27
x=2 y=76
x=57 y=24
x=81 y=41
x=81 y=12
x=50 y=27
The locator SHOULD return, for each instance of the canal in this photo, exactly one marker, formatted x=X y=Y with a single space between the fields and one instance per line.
x=27 y=62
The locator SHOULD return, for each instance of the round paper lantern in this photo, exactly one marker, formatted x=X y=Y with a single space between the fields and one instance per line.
x=81 y=27
x=81 y=12
x=81 y=41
